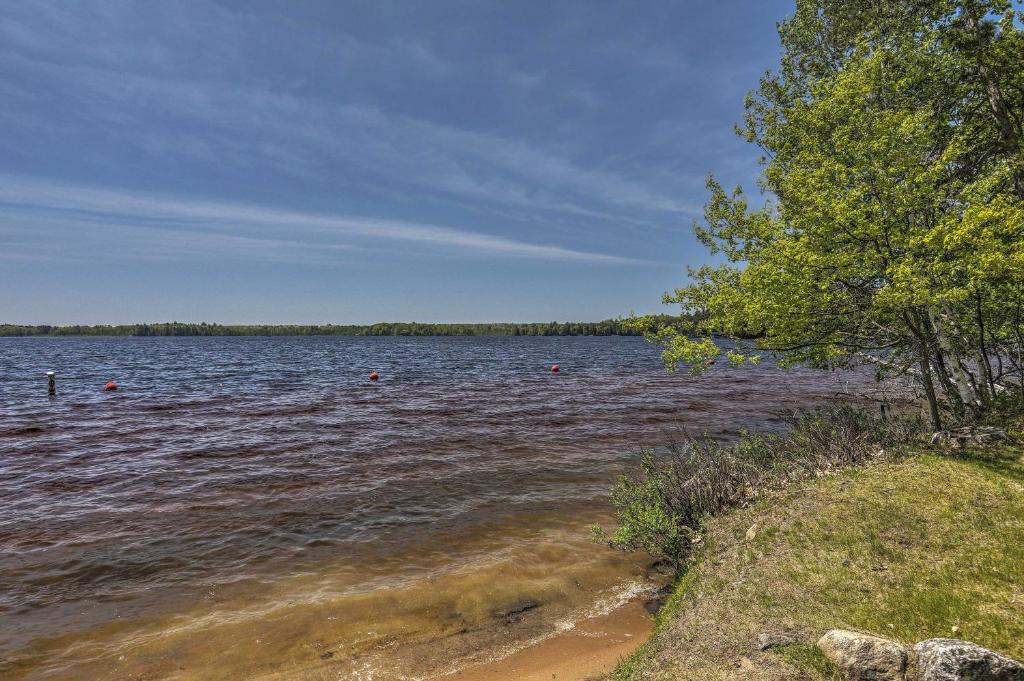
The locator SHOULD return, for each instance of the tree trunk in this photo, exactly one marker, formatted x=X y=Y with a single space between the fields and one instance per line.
x=983 y=361
x=1008 y=132
x=939 y=366
x=964 y=390
x=918 y=323
x=1020 y=336
x=929 y=390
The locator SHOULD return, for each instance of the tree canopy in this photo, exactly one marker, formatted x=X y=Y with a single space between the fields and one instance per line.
x=892 y=229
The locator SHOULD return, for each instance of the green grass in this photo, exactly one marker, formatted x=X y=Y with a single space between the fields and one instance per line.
x=929 y=546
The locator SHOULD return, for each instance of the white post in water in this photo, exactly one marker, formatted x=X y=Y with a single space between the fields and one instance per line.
x=51 y=378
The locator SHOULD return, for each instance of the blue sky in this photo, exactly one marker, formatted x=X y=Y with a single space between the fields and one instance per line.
x=353 y=162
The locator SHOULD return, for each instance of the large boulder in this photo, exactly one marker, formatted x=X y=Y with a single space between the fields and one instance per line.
x=864 y=658
x=947 y=659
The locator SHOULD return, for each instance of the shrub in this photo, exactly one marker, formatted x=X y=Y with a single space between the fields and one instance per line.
x=660 y=508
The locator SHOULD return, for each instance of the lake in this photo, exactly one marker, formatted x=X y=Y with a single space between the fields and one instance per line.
x=258 y=507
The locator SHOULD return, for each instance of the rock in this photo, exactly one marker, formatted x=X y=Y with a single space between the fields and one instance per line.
x=657 y=602
x=511 y=612
x=752 y=532
x=977 y=435
x=864 y=658
x=947 y=659
x=773 y=640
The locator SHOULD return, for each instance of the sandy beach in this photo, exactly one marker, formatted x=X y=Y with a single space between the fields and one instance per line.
x=590 y=650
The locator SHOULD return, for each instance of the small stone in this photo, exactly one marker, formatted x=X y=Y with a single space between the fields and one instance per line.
x=863 y=657
x=947 y=659
x=773 y=640
x=752 y=532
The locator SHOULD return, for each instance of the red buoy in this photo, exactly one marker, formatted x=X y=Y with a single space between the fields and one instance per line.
x=554 y=368
x=374 y=375
x=110 y=386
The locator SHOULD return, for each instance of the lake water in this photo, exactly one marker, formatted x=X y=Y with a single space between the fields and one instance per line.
x=256 y=508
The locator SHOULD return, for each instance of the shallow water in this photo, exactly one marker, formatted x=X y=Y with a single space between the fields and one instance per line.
x=237 y=490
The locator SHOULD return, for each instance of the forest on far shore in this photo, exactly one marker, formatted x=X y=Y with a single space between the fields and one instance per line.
x=608 y=327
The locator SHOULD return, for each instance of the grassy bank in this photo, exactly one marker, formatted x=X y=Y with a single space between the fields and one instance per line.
x=911 y=548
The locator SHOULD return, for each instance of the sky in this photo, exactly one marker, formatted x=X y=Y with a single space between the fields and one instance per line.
x=307 y=161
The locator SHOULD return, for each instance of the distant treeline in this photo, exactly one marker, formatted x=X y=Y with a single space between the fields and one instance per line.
x=609 y=327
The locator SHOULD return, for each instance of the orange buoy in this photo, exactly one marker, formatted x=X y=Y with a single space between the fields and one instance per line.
x=374 y=375
x=110 y=386
x=554 y=368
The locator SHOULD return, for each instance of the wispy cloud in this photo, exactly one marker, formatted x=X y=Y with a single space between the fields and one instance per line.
x=414 y=151
x=147 y=94
x=216 y=227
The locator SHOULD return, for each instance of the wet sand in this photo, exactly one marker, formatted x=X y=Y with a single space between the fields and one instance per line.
x=588 y=651
x=556 y=604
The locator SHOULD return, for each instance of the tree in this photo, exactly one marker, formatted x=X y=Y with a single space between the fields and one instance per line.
x=894 y=229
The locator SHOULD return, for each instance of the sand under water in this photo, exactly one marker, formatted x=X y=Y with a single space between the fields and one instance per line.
x=543 y=593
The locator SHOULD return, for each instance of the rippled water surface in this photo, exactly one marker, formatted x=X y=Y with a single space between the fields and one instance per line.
x=226 y=467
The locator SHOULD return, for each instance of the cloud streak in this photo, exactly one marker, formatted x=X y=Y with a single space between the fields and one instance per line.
x=220 y=226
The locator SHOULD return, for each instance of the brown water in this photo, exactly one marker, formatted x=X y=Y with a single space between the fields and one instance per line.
x=255 y=508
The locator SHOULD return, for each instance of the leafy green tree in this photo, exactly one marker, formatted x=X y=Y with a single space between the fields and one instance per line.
x=894 y=229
